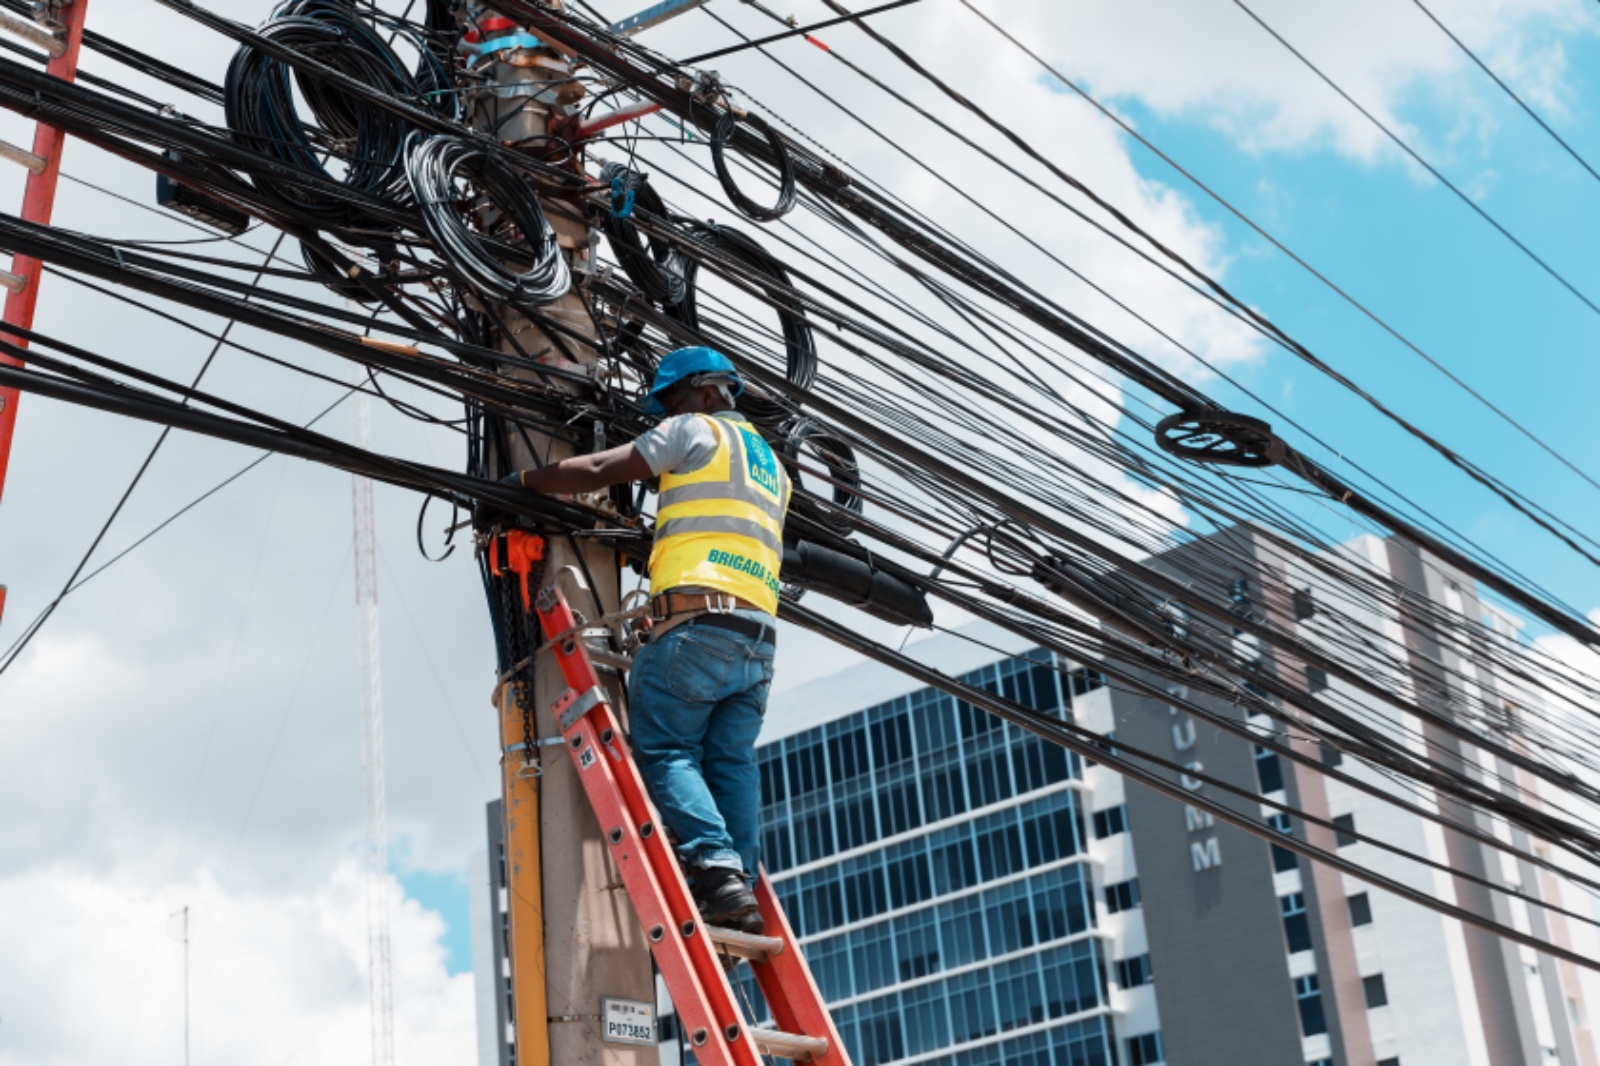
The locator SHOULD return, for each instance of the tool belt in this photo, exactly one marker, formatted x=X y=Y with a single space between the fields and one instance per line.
x=712 y=609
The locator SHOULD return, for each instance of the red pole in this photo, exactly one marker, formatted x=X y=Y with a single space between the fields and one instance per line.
x=38 y=202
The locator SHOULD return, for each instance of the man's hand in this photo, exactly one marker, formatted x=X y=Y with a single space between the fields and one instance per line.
x=585 y=473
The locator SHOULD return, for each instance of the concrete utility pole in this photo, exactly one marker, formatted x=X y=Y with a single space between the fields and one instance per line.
x=592 y=945
x=376 y=872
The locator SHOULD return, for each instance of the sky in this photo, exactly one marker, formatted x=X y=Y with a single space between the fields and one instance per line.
x=185 y=730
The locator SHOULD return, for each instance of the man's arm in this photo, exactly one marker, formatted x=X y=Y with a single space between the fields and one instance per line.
x=585 y=473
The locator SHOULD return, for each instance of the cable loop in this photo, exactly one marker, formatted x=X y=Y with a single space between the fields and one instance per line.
x=721 y=135
x=437 y=169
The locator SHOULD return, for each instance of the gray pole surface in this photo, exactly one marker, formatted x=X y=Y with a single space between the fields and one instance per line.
x=593 y=944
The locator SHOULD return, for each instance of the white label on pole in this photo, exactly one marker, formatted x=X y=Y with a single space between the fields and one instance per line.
x=585 y=758
x=627 y=1021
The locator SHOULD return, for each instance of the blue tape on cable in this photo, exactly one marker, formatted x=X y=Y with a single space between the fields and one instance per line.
x=618 y=193
x=519 y=39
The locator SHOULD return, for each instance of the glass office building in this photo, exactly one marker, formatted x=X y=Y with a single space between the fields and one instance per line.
x=935 y=863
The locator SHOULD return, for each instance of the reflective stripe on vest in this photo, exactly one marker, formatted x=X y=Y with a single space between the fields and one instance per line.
x=721 y=526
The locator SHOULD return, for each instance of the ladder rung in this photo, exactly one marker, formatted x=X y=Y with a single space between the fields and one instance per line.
x=788 y=1045
x=22 y=157
x=745 y=945
x=34 y=34
x=12 y=282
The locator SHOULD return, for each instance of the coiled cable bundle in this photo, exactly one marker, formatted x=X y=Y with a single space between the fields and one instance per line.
x=800 y=346
x=655 y=265
x=807 y=439
x=449 y=176
x=721 y=134
x=261 y=111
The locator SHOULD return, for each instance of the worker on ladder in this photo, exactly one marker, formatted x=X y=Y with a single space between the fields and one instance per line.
x=697 y=691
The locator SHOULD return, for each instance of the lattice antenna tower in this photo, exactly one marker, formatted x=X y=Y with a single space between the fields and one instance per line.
x=376 y=850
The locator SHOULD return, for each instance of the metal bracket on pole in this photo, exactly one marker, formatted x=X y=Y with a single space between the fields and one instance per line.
x=654 y=15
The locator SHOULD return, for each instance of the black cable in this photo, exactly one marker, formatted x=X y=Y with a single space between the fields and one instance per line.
x=73 y=586
x=1260 y=231
x=1416 y=157
x=138 y=476
x=1531 y=113
x=722 y=135
x=798 y=31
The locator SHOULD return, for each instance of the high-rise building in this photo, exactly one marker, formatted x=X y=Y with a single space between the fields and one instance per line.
x=491 y=946
x=1263 y=957
x=939 y=867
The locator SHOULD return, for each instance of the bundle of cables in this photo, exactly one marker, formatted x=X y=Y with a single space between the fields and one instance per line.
x=721 y=134
x=743 y=253
x=259 y=102
x=807 y=440
x=449 y=177
x=658 y=269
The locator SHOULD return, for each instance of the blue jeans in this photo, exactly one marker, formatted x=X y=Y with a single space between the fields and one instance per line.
x=696 y=698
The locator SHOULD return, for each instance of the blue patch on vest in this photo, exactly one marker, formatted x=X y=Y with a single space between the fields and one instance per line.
x=763 y=465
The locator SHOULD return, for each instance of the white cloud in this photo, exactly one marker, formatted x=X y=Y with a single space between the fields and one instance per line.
x=96 y=973
x=1207 y=61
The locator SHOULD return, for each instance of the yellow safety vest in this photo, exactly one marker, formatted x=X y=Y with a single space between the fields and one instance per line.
x=721 y=526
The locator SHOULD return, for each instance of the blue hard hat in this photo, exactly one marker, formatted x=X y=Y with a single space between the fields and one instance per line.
x=682 y=367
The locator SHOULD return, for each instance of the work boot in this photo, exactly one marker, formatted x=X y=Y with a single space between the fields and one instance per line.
x=725 y=900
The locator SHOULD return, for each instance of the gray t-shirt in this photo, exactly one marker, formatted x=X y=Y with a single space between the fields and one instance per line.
x=682 y=444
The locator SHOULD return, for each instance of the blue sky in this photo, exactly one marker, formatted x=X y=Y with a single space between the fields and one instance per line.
x=446 y=893
x=1401 y=243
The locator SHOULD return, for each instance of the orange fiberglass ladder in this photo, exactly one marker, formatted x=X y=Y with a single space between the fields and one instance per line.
x=688 y=953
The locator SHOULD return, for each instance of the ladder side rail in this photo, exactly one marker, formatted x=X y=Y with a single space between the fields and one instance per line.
x=786 y=983
x=38 y=204
x=698 y=1006
x=611 y=779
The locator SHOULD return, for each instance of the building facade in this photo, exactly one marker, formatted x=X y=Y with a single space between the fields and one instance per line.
x=1266 y=958
x=491 y=946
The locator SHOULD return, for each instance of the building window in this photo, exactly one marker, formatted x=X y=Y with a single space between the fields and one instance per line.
x=1084 y=680
x=1304 y=605
x=1331 y=756
x=1131 y=973
x=1344 y=830
x=1103 y=745
x=1360 y=909
x=1269 y=770
x=1144 y=1050
x=1282 y=858
x=1296 y=926
x=1316 y=680
x=1122 y=896
x=1377 y=995
x=1111 y=821
x=1308 y=993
